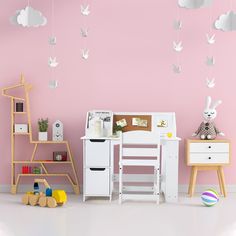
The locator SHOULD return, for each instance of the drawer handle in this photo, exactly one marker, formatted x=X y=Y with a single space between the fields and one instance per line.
x=97 y=140
x=209 y=158
x=97 y=169
x=209 y=147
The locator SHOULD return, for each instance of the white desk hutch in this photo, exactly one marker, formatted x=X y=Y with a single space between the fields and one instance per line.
x=98 y=152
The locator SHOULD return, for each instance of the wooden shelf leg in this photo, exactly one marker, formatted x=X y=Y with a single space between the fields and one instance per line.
x=220 y=181
x=222 y=175
x=76 y=185
x=34 y=151
x=190 y=181
x=193 y=181
x=13 y=189
x=13 y=178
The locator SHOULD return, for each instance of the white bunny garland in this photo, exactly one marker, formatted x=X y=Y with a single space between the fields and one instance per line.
x=85 y=12
x=207 y=129
x=177 y=44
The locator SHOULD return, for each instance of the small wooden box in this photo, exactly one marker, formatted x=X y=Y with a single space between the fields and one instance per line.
x=19 y=107
x=59 y=156
x=21 y=128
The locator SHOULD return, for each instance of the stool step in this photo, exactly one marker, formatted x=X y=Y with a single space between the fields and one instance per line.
x=135 y=162
x=139 y=188
x=143 y=197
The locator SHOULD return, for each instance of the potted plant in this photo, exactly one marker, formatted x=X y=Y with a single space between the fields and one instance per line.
x=117 y=129
x=43 y=128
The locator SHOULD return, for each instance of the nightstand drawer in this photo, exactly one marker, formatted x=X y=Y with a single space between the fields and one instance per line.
x=97 y=153
x=209 y=147
x=209 y=158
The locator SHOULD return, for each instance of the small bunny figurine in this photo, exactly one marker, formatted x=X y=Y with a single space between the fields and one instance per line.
x=207 y=129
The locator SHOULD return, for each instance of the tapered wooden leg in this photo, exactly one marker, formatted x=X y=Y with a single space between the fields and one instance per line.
x=222 y=175
x=190 y=181
x=220 y=181
x=195 y=169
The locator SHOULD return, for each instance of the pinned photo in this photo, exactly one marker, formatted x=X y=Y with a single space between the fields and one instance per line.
x=122 y=123
x=139 y=122
x=135 y=121
x=162 y=124
x=143 y=123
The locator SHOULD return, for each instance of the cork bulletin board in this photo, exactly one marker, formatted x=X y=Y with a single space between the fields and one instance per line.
x=131 y=127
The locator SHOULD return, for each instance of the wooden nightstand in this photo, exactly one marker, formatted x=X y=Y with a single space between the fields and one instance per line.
x=207 y=155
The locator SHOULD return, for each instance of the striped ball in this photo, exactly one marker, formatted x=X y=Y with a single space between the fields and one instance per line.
x=209 y=197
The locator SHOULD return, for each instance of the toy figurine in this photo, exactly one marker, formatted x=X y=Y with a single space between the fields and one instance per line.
x=207 y=129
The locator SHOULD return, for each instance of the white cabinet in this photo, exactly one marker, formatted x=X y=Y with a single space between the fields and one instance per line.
x=98 y=167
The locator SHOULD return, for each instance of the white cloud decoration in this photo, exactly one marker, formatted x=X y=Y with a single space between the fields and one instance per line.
x=29 y=17
x=226 y=22
x=194 y=4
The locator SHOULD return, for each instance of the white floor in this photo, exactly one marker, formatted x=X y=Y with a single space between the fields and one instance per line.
x=100 y=217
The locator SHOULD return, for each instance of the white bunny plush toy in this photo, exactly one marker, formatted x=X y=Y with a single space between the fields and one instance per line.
x=207 y=129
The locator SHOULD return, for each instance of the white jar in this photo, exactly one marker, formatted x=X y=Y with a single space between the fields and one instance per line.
x=98 y=128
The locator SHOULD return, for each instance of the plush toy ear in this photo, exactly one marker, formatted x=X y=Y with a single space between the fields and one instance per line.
x=216 y=104
x=208 y=102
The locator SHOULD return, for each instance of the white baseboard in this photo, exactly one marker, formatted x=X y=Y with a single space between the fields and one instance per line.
x=183 y=188
x=230 y=188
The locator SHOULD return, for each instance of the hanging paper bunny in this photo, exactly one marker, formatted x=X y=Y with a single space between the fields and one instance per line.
x=207 y=129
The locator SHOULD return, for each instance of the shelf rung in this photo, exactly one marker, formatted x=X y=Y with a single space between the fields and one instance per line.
x=19 y=113
x=49 y=142
x=21 y=133
x=44 y=162
x=42 y=174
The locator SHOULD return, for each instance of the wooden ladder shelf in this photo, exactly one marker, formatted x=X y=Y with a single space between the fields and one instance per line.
x=15 y=177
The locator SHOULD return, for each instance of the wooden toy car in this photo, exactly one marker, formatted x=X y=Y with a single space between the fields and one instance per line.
x=51 y=198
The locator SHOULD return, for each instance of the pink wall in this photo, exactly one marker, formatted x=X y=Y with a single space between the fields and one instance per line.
x=129 y=69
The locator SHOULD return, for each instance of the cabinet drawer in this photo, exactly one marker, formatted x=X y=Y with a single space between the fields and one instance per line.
x=97 y=152
x=209 y=147
x=209 y=158
x=97 y=181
